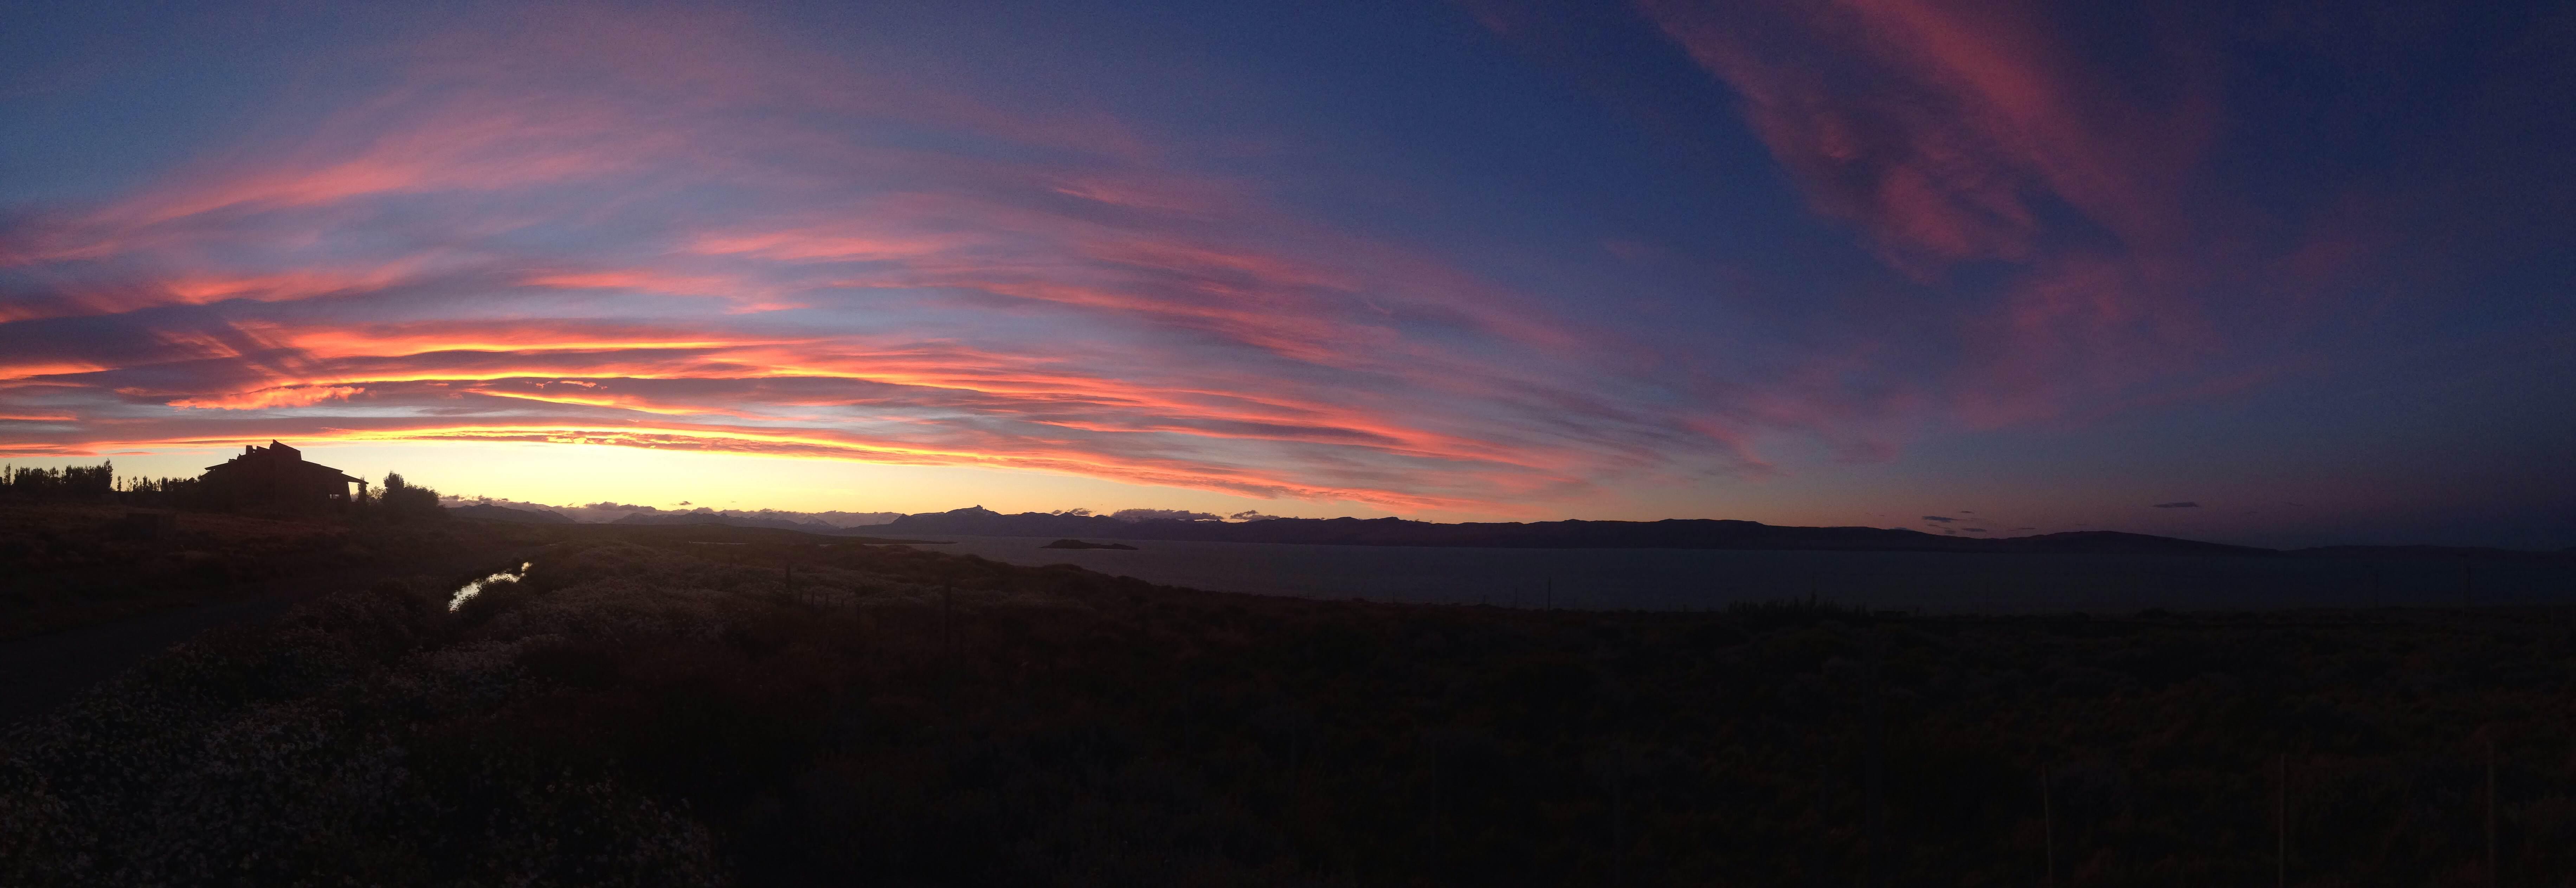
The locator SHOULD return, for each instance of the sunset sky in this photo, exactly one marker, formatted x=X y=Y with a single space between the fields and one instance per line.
x=1987 y=267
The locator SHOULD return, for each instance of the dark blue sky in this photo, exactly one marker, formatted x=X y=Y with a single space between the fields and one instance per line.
x=2305 y=265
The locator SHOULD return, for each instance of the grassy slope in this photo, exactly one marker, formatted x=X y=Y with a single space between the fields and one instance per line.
x=647 y=710
x=63 y=569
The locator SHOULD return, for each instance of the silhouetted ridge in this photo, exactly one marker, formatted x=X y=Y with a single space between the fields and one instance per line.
x=1666 y=534
x=711 y=517
x=489 y=512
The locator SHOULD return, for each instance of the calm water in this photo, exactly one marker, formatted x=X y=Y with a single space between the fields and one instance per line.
x=1669 y=579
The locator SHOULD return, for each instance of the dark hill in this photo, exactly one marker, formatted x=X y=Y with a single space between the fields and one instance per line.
x=1667 y=534
x=489 y=512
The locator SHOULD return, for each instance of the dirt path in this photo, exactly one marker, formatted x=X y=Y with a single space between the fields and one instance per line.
x=40 y=672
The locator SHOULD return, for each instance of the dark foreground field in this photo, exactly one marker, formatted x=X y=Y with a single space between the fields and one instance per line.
x=702 y=706
x=68 y=565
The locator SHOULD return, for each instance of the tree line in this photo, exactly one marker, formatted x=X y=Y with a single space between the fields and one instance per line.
x=396 y=499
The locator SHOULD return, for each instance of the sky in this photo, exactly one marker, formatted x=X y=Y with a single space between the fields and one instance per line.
x=2271 y=273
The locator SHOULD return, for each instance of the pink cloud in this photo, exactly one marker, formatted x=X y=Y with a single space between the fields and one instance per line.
x=1956 y=133
x=520 y=240
x=282 y=396
x=828 y=245
x=1945 y=129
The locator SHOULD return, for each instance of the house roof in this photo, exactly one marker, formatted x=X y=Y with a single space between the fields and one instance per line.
x=280 y=456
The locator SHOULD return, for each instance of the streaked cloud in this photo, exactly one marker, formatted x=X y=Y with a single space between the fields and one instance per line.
x=1672 y=258
x=281 y=396
x=550 y=237
x=1991 y=142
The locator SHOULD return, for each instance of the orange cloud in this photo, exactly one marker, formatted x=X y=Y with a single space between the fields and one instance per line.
x=483 y=248
x=12 y=370
x=827 y=244
x=283 y=396
x=202 y=289
x=441 y=336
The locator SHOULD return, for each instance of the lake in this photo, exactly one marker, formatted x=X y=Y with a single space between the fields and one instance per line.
x=1677 y=579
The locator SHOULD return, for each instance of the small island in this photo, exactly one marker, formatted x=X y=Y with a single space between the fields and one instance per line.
x=1078 y=544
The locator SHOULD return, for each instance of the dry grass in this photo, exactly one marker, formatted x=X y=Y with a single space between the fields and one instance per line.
x=642 y=711
x=64 y=567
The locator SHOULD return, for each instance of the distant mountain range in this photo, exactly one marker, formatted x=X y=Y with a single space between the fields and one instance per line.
x=489 y=512
x=1667 y=534
x=525 y=514
x=737 y=521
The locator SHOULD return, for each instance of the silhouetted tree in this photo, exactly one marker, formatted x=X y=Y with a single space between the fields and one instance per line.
x=172 y=493
x=403 y=501
x=69 y=482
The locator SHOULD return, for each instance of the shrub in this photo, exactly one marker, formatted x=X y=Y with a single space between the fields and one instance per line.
x=401 y=501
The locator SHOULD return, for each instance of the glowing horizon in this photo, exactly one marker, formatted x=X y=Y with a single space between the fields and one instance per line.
x=1865 y=263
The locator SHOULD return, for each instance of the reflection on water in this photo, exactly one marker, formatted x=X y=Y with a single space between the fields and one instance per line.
x=469 y=590
x=1684 y=579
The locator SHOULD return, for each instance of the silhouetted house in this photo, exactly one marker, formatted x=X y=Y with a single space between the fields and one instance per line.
x=277 y=475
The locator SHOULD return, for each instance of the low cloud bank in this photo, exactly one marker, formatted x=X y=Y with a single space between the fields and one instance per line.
x=604 y=512
x=1164 y=515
